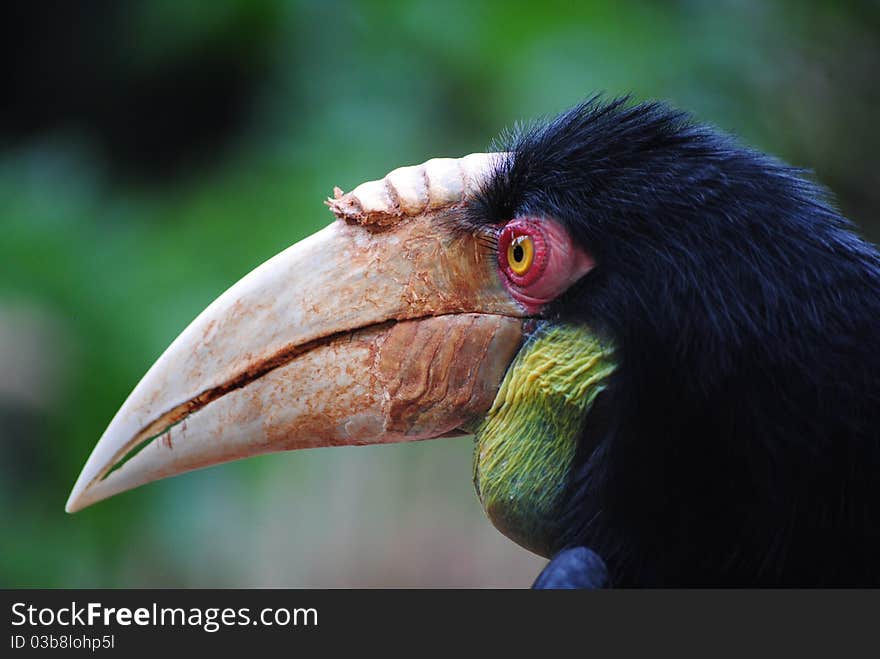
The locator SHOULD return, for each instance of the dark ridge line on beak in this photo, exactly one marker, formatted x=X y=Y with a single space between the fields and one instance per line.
x=179 y=413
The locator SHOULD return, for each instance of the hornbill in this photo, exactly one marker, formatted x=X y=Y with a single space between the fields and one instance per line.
x=664 y=343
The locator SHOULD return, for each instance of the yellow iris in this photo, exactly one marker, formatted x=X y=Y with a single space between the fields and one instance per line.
x=520 y=254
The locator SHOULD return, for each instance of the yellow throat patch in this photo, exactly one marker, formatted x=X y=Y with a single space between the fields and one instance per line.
x=526 y=444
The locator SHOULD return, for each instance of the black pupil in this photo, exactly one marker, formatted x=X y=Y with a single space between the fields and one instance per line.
x=518 y=253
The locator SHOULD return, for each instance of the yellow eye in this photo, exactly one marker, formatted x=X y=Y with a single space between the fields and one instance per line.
x=521 y=254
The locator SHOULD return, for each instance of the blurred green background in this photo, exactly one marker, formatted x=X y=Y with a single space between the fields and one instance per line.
x=151 y=153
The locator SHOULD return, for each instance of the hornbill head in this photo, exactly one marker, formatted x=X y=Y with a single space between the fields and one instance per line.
x=656 y=337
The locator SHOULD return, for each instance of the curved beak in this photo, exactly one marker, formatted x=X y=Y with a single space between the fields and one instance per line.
x=388 y=325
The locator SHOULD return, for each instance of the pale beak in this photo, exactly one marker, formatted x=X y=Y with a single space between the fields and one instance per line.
x=389 y=325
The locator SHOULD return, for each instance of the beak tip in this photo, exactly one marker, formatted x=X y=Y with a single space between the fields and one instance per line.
x=86 y=490
x=74 y=501
x=78 y=498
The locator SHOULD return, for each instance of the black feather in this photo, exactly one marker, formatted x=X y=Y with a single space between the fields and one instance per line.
x=739 y=442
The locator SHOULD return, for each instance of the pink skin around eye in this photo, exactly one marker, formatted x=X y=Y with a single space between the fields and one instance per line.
x=558 y=262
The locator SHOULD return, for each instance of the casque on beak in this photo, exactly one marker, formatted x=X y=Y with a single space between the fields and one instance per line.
x=388 y=325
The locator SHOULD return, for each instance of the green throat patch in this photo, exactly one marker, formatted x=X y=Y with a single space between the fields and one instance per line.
x=526 y=444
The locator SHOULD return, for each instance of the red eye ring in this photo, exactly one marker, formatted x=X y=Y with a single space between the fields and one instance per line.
x=514 y=232
x=538 y=260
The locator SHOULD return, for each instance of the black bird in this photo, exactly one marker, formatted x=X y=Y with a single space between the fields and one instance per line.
x=665 y=344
